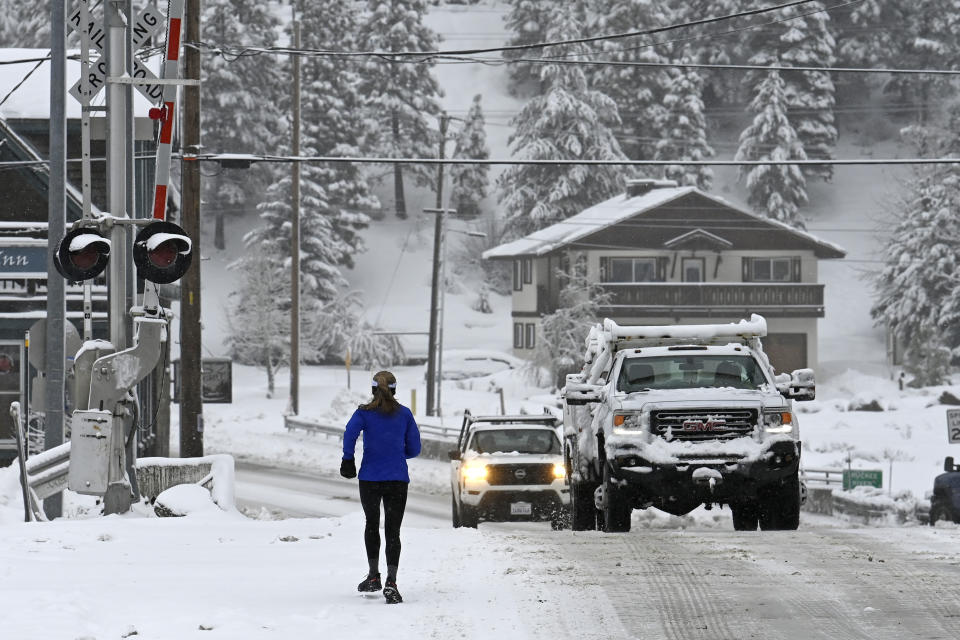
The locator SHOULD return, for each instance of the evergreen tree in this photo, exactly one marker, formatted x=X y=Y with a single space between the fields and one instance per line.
x=401 y=94
x=527 y=21
x=637 y=91
x=259 y=319
x=332 y=116
x=918 y=291
x=328 y=238
x=240 y=114
x=470 y=181
x=25 y=24
x=684 y=129
x=719 y=87
x=776 y=191
x=804 y=40
x=569 y=121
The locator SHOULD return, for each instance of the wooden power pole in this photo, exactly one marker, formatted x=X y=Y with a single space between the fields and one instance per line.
x=191 y=387
x=294 y=407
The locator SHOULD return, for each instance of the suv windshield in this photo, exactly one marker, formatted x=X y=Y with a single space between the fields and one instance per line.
x=688 y=371
x=519 y=440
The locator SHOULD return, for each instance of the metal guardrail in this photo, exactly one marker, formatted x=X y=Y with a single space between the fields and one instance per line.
x=822 y=477
x=436 y=440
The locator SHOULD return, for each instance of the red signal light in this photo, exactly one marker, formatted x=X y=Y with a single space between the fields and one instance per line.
x=82 y=254
x=162 y=252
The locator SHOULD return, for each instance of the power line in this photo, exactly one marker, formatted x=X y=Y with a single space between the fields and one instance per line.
x=518 y=47
x=215 y=157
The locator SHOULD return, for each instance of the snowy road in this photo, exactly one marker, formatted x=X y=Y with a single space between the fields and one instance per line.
x=821 y=583
x=298 y=494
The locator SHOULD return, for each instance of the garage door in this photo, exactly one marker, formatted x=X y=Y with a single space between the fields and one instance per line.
x=787 y=351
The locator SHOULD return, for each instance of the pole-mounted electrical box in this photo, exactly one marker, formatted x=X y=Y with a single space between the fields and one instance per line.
x=90 y=451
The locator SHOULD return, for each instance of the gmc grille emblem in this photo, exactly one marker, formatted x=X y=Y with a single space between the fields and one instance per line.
x=703 y=425
x=520 y=474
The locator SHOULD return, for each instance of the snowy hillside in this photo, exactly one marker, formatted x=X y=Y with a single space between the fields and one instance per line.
x=394 y=272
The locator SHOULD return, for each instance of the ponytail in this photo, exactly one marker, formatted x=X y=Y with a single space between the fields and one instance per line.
x=384 y=388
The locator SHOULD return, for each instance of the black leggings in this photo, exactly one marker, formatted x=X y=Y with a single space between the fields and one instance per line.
x=394 y=497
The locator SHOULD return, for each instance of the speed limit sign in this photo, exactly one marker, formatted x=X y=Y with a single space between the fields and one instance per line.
x=953 y=426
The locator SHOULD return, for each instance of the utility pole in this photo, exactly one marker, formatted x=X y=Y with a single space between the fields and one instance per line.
x=56 y=218
x=432 y=355
x=191 y=387
x=294 y=407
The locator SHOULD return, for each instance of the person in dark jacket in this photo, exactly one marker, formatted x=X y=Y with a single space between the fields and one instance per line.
x=390 y=438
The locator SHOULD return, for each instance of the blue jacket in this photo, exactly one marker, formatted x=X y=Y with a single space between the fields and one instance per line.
x=389 y=439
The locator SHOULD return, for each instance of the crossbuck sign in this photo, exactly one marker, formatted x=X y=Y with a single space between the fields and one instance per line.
x=148 y=22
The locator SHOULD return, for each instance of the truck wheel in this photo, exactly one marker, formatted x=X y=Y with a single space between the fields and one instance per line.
x=583 y=512
x=616 y=506
x=468 y=516
x=454 y=513
x=745 y=517
x=780 y=507
x=939 y=512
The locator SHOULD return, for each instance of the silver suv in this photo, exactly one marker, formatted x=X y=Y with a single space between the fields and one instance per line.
x=508 y=468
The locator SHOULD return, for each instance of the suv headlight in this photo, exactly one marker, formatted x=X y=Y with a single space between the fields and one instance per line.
x=474 y=471
x=777 y=421
x=631 y=423
x=559 y=471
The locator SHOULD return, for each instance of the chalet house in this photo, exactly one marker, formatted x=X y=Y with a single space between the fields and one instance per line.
x=676 y=255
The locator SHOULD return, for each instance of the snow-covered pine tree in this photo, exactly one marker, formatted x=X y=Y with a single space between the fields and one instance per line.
x=25 y=24
x=804 y=41
x=470 y=181
x=918 y=291
x=527 y=21
x=776 y=191
x=637 y=91
x=241 y=113
x=401 y=95
x=569 y=121
x=328 y=238
x=259 y=317
x=684 y=128
x=719 y=87
x=333 y=111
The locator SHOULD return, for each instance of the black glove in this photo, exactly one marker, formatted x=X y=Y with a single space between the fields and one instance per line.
x=348 y=468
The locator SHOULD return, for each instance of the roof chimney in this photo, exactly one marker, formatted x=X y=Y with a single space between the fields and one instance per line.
x=641 y=186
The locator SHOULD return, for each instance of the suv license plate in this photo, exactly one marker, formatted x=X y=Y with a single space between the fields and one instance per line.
x=521 y=509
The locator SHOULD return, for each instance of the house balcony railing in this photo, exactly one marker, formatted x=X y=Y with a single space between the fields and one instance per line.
x=706 y=299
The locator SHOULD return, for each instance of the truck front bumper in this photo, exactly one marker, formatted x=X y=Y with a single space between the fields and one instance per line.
x=704 y=480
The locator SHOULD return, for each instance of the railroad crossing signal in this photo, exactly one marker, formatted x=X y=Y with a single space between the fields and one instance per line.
x=148 y=22
x=82 y=254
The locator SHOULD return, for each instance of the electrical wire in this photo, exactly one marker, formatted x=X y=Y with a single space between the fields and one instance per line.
x=214 y=157
x=520 y=47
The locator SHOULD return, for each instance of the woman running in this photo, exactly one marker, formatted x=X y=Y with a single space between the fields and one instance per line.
x=390 y=437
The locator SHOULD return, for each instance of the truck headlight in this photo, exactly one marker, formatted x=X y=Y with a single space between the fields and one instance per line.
x=630 y=423
x=777 y=421
x=475 y=471
x=559 y=471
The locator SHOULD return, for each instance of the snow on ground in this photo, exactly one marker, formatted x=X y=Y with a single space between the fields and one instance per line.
x=220 y=575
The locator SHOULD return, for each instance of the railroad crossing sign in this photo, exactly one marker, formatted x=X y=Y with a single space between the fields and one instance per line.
x=148 y=22
x=953 y=426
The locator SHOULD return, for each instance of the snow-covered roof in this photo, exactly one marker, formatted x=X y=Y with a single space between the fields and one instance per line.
x=31 y=100
x=622 y=207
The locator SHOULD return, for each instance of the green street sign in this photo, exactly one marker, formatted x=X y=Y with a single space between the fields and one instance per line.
x=862 y=478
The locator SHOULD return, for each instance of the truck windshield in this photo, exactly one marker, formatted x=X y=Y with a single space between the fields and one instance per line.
x=689 y=371
x=519 y=440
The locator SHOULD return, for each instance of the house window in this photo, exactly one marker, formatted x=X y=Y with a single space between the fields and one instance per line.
x=527 y=270
x=518 y=335
x=629 y=270
x=517 y=280
x=772 y=270
x=692 y=269
x=529 y=340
